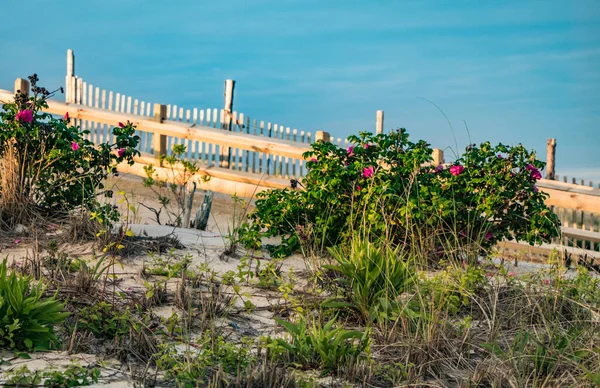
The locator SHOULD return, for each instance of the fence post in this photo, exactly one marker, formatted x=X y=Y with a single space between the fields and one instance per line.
x=159 y=141
x=379 y=126
x=69 y=84
x=228 y=108
x=322 y=135
x=438 y=156
x=550 y=152
x=22 y=86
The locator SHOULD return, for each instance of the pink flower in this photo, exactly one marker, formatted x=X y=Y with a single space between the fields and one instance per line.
x=546 y=281
x=121 y=125
x=500 y=156
x=314 y=160
x=489 y=275
x=488 y=236
x=25 y=116
x=350 y=151
x=535 y=174
x=358 y=187
x=456 y=170
x=368 y=172
x=74 y=146
x=511 y=274
x=439 y=168
x=66 y=117
x=17 y=241
x=366 y=146
x=530 y=167
x=121 y=152
x=535 y=189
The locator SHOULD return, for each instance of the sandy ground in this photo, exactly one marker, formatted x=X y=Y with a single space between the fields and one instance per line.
x=202 y=247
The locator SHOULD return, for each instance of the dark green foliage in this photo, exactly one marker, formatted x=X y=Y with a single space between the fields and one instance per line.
x=26 y=317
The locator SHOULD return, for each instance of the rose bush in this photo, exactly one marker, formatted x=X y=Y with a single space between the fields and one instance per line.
x=47 y=164
x=384 y=185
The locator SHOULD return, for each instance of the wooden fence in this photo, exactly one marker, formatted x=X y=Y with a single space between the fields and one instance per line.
x=244 y=156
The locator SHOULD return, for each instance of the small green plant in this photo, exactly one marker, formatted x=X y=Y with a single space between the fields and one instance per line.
x=73 y=376
x=194 y=367
x=175 y=187
x=454 y=287
x=27 y=319
x=103 y=320
x=314 y=345
x=373 y=278
x=170 y=265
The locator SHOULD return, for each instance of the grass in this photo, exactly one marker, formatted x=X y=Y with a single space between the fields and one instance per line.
x=362 y=314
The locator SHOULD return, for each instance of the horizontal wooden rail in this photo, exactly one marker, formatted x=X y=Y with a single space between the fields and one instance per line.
x=568 y=195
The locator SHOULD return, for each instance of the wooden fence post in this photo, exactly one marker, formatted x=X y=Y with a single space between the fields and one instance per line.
x=379 y=126
x=322 y=135
x=438 y=156
x=22 y=86
x=69 y=84
x=159 y=141
x=226 y=124
x=550 y=153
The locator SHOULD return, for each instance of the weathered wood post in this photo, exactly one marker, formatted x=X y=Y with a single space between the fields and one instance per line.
x=226 y=123
x=322 y=135
x=70 y=84
x=550 y=152
x=159 y=141
x=379 y=126
x=22 y=86
x=438 y=156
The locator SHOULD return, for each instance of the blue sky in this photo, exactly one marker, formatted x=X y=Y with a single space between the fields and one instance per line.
x=514 y=71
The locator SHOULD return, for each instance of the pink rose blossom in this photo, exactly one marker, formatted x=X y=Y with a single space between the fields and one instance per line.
x=500 y=156
x=66 y=117
x=546 y=281
x=358 y=187
x=17 y=241
x=456 y=170
x=511 y=274
x=366 y=146
x=368 y=172
x=121 y=152
x=314 y=160
x=535 y=174
x=350 y=151
x=439 y=168
x=121 y=125
x=488 y=236
x=25 y=116
x=535 y=189
x=489 y=275
x=74 y=146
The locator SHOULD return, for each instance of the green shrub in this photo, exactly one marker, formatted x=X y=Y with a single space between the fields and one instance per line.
x=372 y=279
x=26 y=317
x=383 y=185
x=47 y=164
